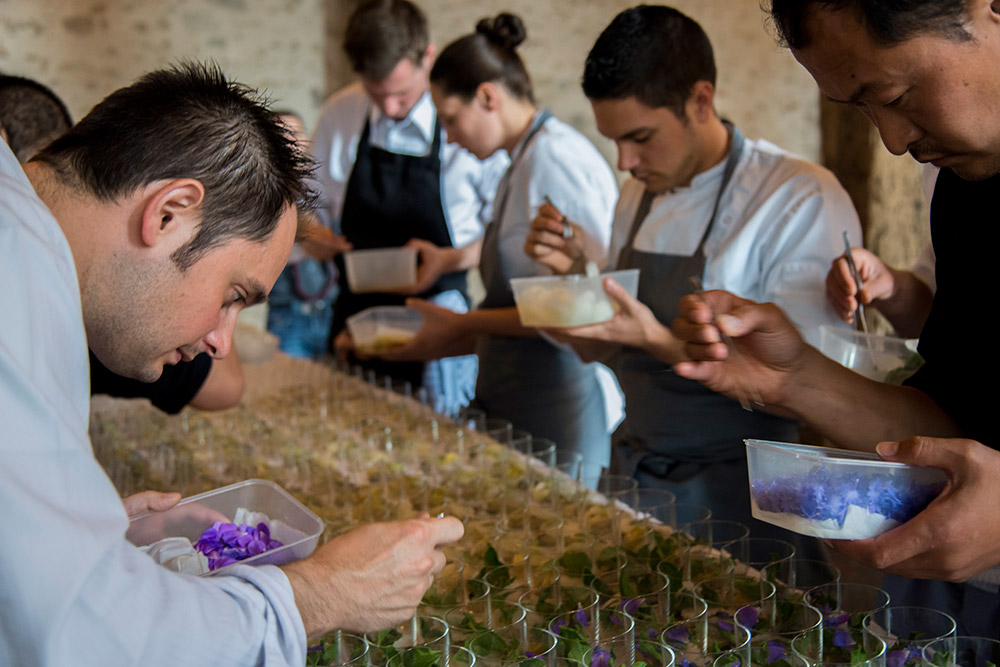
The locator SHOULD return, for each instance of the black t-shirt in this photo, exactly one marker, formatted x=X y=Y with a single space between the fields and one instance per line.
x=962 y=360
x=175 y=388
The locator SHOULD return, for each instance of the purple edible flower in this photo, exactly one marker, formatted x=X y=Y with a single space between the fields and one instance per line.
x=631 y=605
x=725 y=621
x=842 y=638
x=837 y=619
x=529 y=654
x=581 y=616
x=651 y=633
x=614 y=619
x=775 y=651
x=600 y=657
x=896 y=658
x=686 y=663
x=226 y=543
x=558 y=625
x=678 y=633
x=747 y=616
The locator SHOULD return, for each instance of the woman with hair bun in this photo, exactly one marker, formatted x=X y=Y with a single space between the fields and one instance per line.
x=484 y=98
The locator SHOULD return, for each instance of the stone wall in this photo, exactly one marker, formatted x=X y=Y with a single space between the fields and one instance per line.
x=86 y=48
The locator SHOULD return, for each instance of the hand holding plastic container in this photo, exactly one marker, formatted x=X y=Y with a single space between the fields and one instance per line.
x=291 y=523
x=835 y=493
x=569 y=301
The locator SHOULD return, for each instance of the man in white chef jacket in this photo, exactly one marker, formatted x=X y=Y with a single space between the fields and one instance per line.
x=145 y=230
x=702 y=203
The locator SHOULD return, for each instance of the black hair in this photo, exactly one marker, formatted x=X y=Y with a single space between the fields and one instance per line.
x=489 y=54
x=31 y=114
x=189 y=121
x=653 y=53
x=888 y=22
x=381 y=33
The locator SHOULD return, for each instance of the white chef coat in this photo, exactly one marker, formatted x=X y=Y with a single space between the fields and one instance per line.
x=561 y=164
x=467 y=184
x=780 y=225
x=73 y=591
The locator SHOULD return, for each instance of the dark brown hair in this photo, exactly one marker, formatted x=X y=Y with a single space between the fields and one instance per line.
x=653 y=53
x=489 y=54
x=189 y=121
x=381 y=33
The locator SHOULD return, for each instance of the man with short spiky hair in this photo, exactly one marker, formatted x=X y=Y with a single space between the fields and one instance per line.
x=926 y=73
x=146 y=229
x=388 y=178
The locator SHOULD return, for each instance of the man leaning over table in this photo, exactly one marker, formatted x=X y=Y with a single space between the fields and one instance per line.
x=702 y=202
x=145 y=230
x=926 y=75
x=31 y=117
x=388 y=178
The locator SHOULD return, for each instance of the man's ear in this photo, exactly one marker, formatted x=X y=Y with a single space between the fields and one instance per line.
x=172 y=211
x=427 y=61
x=702 y=101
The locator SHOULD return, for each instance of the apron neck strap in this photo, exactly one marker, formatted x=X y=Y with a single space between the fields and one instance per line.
x=500 y=205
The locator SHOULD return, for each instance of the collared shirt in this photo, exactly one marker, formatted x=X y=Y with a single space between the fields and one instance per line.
x=780 y=225
x=74 y=591
x=561 y=164
x=467 y=184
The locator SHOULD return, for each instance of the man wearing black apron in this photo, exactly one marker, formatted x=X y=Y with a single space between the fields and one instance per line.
x=389 y=178
x=706 y=204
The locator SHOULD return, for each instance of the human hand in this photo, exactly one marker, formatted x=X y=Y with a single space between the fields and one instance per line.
x=372 y=577
x=769 y=350
x=634 y=324
x=955 y=537
x=149 y=501
x=432 y=263
x=441 y=335
x=343 y=346
x=321 y=243
x=546 y=244
x=877 y=282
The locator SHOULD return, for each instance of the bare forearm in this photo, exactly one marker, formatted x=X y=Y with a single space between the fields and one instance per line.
x=858 y=413
x=223 y=388
x=461 y=259
x=496 y=322
x=908 y=307
x=662 y=344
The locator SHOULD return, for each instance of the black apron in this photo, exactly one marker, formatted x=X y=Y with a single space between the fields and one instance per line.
x=677 y=433
x=390 y=199
x=540 y=388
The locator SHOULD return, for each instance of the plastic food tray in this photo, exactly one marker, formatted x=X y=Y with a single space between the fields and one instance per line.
x=569 y=301
x=292 y=523
x=835 y=493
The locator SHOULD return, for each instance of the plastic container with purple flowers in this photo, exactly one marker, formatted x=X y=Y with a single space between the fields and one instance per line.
x=289 y=521
x=835 y=493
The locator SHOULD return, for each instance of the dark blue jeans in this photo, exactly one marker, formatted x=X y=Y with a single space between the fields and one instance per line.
x=302 y=327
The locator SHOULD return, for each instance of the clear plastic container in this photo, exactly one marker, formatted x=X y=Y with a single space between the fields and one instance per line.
x=569 y=301
x=381 y=269
x=381 y=328
x=888 y=359
x=292 y=523
x=835 y=493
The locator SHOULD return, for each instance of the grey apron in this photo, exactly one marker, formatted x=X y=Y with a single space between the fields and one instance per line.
x=540 y=388
x=677 y=434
